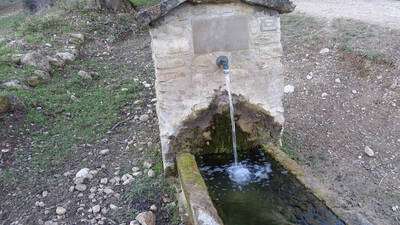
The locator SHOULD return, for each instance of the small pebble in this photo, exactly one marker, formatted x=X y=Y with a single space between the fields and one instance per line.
x=60 y=210
x=104 y=151
x=151 y=173
x=369 y=152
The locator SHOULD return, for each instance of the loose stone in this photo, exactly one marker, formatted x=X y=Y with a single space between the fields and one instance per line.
x=151 y=173
x=103 y=181
x=153 y=208
x=96 y=209
x=288 y=89
x=135 y=169
x=147 y=164
x=144 y=118
x=84 y=75
x=104 y=151
x=39 y=204
x=146 y=218
x=113 y=207
x=80 y=187
x=369 y=152
x=324 y=51
x=60 y=210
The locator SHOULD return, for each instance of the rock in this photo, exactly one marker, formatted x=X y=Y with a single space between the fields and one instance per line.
x=16 y=58
x=5 y=104
x=44 y=75
x=337 y=80
x=103 y=181
x=135 y=169
x=288 y=89
x=104 y=211
x=324 y=95
x=104 y=151
x=33 y=81
x=137 y=174
x=113 y=207
x=37 y=60
x=146 y=218
x=39 y=204
x=80 y=187
x=60 y=210
x=77 y=38
x=56 y=61
x=14 y=84
x=66 y=56
x=147 y=164
x=309 y=76
x=144 y=118
x=50 y=223
x=324 y=51
x=115 y=180
x=96 y=209
x=151 y=173
x=126 y=179
x=108 y=191
x=84 y=75
x=368 y=151
x=82 y=175
x=134 y=222
x=153 y=208
x=44 y=194
x=354 y=91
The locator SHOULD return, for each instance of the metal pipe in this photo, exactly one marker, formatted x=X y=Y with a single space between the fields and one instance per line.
x=223 y=61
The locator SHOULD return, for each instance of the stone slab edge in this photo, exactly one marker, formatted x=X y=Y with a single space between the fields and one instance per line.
x=152 y=13
x=309 y=182
x=199 y=204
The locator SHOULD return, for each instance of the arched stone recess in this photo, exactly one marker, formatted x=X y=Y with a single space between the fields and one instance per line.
x=208 y=130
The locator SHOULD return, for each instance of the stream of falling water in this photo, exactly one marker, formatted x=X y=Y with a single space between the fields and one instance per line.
x=232 y=113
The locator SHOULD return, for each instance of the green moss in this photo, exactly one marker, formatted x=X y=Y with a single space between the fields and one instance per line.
x=188 y=170
x=139 y=3
x=221 y=136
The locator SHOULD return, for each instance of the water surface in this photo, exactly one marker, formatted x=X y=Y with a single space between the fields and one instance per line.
x=270 y=197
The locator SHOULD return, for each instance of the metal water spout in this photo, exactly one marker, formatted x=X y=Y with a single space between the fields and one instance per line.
x=223 y=61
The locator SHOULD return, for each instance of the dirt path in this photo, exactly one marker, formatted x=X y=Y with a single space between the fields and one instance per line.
x=380 y=12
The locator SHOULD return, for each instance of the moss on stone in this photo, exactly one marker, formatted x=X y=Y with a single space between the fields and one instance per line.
x=188 y=171
x=221 y=136
x=282 y=158
x=5 y=104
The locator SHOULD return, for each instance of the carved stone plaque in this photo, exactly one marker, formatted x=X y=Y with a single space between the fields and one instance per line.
x=220 y=34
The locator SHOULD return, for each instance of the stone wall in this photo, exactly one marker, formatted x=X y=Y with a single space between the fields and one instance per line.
x=185 y=45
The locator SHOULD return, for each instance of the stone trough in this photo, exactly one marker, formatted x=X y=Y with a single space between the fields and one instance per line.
x=192 y=103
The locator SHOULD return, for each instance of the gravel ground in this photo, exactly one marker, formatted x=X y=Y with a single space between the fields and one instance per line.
x=345 y=104
x=380 y=12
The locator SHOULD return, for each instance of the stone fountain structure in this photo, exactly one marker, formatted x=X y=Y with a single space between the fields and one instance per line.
x=187 y=37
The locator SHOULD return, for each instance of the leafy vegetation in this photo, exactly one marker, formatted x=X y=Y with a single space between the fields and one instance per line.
x=69 y=109
x=139 y=3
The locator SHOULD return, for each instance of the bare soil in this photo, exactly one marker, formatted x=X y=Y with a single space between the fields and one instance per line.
x=345 y=100
x=384 y=13
x=328 y=125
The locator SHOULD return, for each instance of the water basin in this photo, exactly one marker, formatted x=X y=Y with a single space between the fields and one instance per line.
x=271 y=196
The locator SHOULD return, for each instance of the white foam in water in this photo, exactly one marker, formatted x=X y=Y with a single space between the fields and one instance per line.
x=239 y=174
